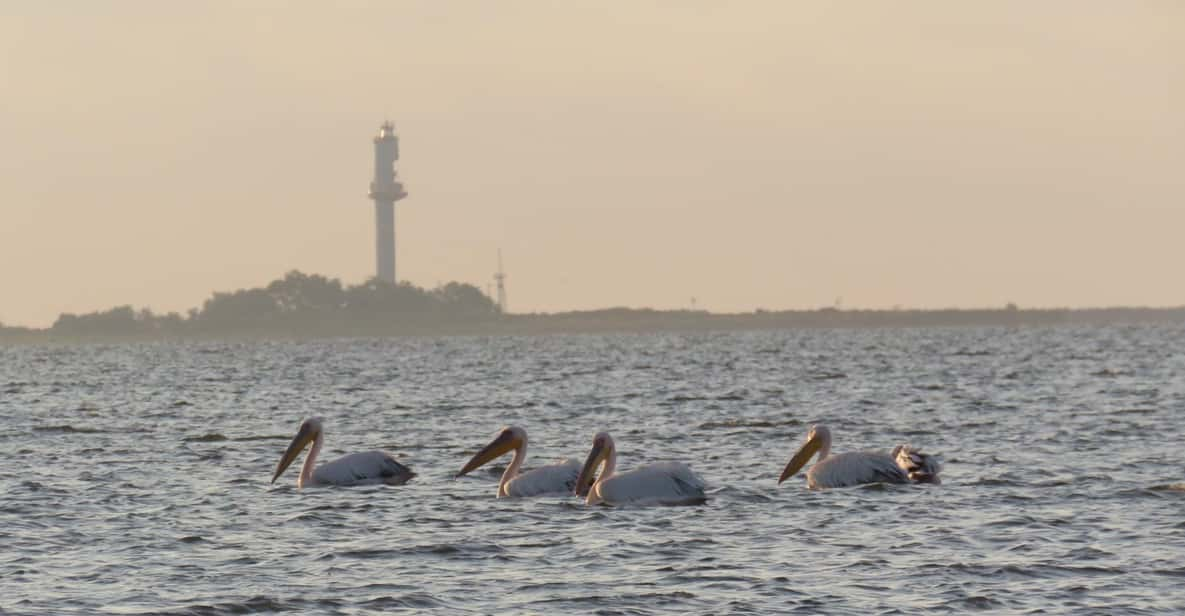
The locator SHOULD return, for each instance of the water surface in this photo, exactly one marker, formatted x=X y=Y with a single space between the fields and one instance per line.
x=135 y=478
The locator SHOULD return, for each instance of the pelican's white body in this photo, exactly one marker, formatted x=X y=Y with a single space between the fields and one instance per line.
x=356 y=469
x=368 y=467
x=558 y=478
x=903 y=465
x=661 y=483
x=854 y=468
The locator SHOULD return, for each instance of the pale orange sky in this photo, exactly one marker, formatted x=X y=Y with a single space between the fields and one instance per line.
x=755 y=154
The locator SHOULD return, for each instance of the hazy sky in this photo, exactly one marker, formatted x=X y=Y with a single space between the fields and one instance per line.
x=749 y=154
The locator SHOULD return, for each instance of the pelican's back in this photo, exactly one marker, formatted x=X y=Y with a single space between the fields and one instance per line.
x=855 y=468
x=558 y=478
x=666 y=483
x=368 y=467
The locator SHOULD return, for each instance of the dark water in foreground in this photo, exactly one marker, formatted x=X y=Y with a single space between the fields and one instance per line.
x=134 y=479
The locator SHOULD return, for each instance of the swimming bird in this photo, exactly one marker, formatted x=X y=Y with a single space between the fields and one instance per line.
x=551 y=479
x=662 y=483
x=368 y=467
x=903 y=465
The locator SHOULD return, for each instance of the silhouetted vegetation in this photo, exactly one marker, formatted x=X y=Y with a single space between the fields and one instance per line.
x=16 y=334
x=304 y=305
x=298 y=305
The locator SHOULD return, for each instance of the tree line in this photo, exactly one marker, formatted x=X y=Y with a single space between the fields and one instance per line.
x=303 y=305
x=299 y=304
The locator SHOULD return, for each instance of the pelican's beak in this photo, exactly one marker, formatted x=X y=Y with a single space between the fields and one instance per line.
x=302 y=438
x=809 y=448
x=584 y=481
x=504 y=442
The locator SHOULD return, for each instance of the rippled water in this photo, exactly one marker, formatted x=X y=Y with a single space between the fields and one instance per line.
x=135 y=478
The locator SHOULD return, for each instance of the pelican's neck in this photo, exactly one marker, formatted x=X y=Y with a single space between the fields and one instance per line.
x=824 y=446
x=306 y=471
x=610 y=464
x=607 y=468
x=516 y=463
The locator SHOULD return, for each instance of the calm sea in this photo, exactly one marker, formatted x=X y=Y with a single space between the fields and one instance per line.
x=134 y=479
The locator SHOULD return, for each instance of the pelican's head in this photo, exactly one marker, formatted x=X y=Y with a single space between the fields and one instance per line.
x=601 y=450
x=508 y=439
x=309 y=429
x=819 y=438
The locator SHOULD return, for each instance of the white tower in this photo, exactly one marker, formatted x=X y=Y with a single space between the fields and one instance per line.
x=385 y=190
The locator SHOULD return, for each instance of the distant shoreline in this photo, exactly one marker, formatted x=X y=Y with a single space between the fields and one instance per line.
x=627 y=320
x=307 y=306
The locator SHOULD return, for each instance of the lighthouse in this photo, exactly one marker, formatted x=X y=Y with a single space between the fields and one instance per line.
x=385 y=190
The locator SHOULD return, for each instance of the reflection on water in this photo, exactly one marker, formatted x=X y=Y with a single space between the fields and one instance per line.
x=135 y=477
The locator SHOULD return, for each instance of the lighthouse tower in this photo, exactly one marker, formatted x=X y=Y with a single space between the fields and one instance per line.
x=385 y=190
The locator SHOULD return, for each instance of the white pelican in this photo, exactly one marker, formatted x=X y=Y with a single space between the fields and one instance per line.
x=903 y=465
x=662 y=483
x=368 y=467
x=558 y=478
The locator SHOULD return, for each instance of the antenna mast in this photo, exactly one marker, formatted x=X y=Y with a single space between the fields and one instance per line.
x=500 y=278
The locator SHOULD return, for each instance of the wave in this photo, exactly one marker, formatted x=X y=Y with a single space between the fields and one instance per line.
x=210 y=437
x=748 y=423
x=257 y=605
x=69 y=429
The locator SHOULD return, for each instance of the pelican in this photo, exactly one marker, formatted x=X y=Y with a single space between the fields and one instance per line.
x=903 y=465
x=558 y=478
x=662 y=483
x=368 y=467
